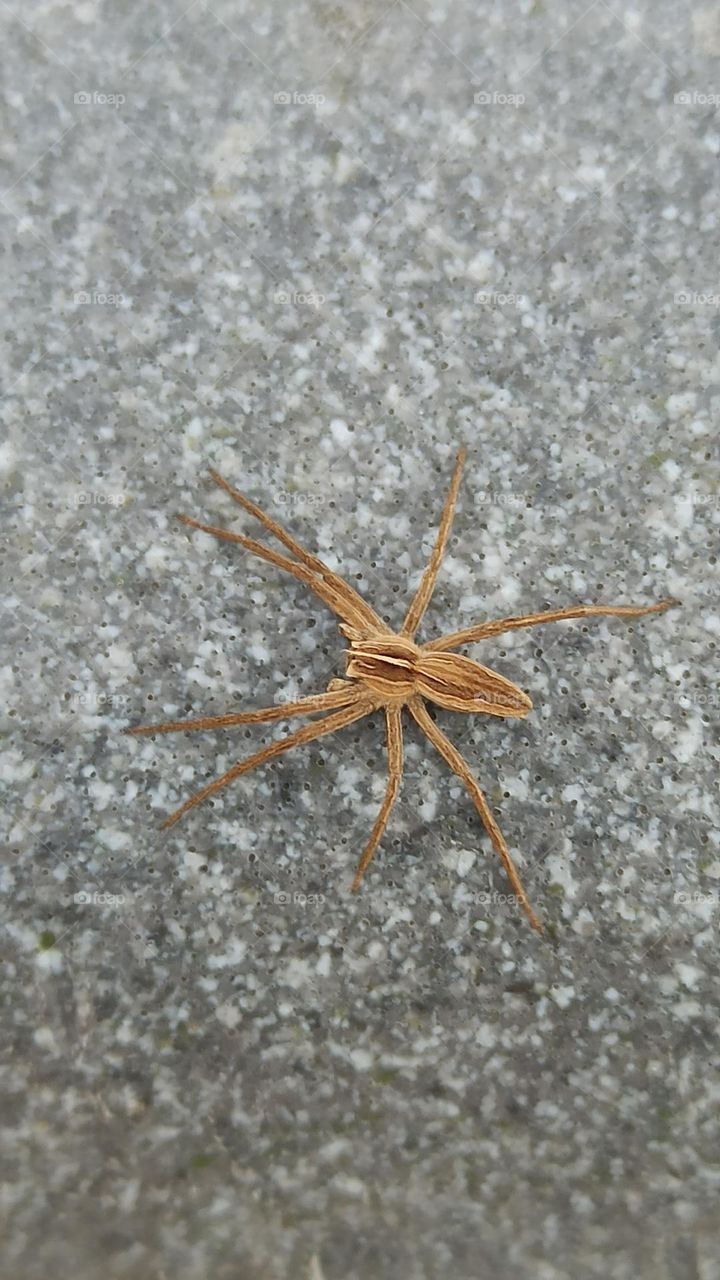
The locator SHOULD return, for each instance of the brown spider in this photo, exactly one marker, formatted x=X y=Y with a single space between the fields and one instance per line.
x=387 y=670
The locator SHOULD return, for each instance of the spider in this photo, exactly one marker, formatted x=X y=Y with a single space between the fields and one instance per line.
x=388 y=671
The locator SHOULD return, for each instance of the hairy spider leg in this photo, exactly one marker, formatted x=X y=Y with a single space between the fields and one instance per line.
x=316 y=729
x=325 y=590
x=348 y=593
x=420 y=602
x=452 y=757
x=283 y=711
x=393 y=724
x=483 y=630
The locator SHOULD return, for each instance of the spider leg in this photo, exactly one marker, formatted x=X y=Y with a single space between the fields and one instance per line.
x=316 y=729
x=486 y=629
x=452 y=757
x=395 y=766
x=283 y=711
x=341 y=607
x=422 y=596
x=312 y=562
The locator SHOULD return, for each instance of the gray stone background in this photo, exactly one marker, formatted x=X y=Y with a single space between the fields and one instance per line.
x=290 y=242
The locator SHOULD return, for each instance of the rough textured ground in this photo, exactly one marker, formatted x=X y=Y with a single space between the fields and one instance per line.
x=318 y=246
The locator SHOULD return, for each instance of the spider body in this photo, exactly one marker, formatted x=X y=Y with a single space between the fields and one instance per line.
x=386 y=671
x=395 y=669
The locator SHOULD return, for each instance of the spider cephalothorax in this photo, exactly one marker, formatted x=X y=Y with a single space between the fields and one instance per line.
x=387 y=671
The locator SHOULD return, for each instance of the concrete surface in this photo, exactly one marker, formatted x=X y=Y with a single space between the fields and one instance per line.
x=318 y=246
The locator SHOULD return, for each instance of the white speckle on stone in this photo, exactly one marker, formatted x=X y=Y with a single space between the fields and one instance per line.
x=584 y=922
x=330 y=1151
x=50 y=598
x=233 y=955
x=461 y=861
x=563 y=996
x=581 y=1203
x=400 y=915
x=698 y=427
x=360 y=1059
x=594 y=175
x=560 y=872
x=345 y=167
x=428 y=807
x=685 y=743
x=670 y=470
x=8 y=458
x=44 y=1038
x=350 y=1186
x=688 y=974
x=119 y=659
x=297 y=974
x=114 y=838
x=129 y=1191
x=156 y=556
x=258 y=651
x=228 y=1014
x=49 y=961
x=681 y=404
x=315 y=1271
x=685 y=1010
x=193 y=861
x=626 y=910
x=340 y=432
x=486 y=1035
x=483 y=267
x=228 y=156
x=573 y=792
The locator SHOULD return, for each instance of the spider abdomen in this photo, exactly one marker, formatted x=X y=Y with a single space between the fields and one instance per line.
x=460 y=684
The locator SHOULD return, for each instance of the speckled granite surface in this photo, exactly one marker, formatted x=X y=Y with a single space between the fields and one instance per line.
x=317 y=247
